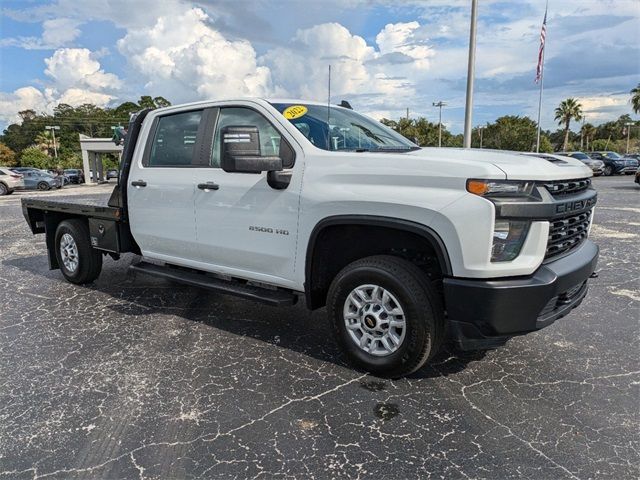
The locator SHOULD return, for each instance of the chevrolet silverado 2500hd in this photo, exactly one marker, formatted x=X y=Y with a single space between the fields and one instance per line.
x=405 y=246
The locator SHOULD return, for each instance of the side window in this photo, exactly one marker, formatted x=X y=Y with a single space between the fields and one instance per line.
x=174 y=140
x=236 y=116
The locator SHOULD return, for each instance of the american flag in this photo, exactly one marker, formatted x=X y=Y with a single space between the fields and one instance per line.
x=543 y=34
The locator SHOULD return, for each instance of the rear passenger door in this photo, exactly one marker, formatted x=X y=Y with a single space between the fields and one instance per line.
x=162 y=187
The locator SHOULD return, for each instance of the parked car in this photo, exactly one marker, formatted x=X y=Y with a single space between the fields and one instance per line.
x=10 y=181
x=112 y=173
x=615 y=163
x=75 y=175
x=407 y=247
x=38 y=179
x=597 y=166
x=56 y=173
x=638 y=176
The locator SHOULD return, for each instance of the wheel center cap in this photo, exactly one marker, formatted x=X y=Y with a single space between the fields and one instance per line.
x=369 y=321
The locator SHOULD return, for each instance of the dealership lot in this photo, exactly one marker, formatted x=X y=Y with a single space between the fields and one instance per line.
x=138 y=377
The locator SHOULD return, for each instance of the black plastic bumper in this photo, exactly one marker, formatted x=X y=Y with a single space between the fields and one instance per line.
x=486 y=313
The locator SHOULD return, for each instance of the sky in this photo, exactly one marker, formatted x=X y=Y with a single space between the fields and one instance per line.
x=385 y=55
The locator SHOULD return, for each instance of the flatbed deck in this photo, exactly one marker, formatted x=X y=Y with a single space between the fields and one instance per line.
x=90 y=205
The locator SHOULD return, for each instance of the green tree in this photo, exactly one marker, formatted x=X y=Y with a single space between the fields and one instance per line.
x=7 y=156
x=34 y=157
x=567 y=110
x=545 y=144
x=635 y=99
x=147 y=101
x=511 y=132
x=588 y=131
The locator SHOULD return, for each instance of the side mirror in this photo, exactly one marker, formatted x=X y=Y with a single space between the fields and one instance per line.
x=240 y=151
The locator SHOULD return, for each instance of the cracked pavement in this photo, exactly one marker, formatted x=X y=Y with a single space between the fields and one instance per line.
x=135 y=377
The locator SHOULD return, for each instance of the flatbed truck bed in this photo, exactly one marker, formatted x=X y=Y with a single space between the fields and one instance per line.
x=90 y=205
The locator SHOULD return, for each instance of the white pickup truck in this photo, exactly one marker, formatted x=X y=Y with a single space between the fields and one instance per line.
x=406 y=247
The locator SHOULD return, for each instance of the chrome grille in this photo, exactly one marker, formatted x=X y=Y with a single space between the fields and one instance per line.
x=565 y=187
x=567 y=232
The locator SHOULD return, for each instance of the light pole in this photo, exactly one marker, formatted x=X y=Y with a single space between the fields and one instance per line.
x=628 y=125
x=440 y=104
x=468 y=110
x=53 y=129
x=480 y=128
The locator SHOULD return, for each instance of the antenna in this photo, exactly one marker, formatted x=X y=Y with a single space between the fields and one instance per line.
x=329 y=111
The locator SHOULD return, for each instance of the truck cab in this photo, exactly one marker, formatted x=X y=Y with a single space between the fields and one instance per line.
x=407 y=247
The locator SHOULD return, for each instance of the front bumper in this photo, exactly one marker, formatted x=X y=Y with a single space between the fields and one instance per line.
x=626 y=169
x=486 y=313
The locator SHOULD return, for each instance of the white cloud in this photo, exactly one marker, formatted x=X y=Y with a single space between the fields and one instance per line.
x=78 y=96
x=183 y=56
x=75 y=67
x=76 y=78
x=25 y=98
x=302 y=69
x=407 y=38
x=59 y=31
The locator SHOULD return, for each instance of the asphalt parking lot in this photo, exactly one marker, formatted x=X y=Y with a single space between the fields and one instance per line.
x=136 y=377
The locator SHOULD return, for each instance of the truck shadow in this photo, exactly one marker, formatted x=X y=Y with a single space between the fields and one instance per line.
x=294 y=328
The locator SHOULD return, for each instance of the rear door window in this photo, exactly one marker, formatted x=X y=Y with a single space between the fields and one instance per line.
x=174 y=140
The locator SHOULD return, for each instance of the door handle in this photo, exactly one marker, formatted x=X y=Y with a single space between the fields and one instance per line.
x=139 y=183
x=208 y=186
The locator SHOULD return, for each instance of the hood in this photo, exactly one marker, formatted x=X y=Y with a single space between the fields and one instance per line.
x=515 y=165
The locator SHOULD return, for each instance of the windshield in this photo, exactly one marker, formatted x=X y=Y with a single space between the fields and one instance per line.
x=580 y=156
x=342 y=129
x=612 y=155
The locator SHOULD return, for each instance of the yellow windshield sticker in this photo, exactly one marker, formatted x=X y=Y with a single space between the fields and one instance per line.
x=294 y=111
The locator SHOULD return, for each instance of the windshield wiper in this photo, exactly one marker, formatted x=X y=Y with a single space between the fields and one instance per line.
x=388 y=149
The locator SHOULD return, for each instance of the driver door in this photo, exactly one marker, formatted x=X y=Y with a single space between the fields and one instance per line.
x=245 y=227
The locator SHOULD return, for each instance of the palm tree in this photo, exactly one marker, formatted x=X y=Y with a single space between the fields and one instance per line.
x=588 y=131
x=44 y=142
x=567 y=110
x=635 y=99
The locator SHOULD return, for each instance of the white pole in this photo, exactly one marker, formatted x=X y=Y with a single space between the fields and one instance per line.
x=540 y=99
x=468 y=113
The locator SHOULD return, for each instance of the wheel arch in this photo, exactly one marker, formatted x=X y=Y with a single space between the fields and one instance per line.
x=318 y=276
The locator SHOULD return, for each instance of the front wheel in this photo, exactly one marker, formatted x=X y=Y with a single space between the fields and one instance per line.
x=386 y=315
x=4 y=190
x=608 y=170
x=78 y=260
x=43 y=186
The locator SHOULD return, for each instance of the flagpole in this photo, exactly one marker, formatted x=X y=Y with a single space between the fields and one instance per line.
x=543 y=46
x=540 y=101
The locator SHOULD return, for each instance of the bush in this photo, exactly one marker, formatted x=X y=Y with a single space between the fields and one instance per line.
x=7 y=156
x=34 y=157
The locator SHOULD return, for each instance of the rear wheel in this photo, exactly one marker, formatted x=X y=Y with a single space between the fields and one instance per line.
x=79 y=262
x=386 y=315
x=4 y=190
x=608 y=170
x=43 y=186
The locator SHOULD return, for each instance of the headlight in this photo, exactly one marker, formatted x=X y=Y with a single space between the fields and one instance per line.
x=500 y=188
x=508 y=238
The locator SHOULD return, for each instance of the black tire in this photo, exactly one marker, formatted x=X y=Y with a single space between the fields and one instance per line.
x=4 y=190
x=89 y=260
x=608 y=170
x=43 y=186
x=423 y=313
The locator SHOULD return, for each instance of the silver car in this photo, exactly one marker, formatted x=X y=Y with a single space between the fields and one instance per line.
x=597 y=166
x=35 y=179
x=10 y=181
